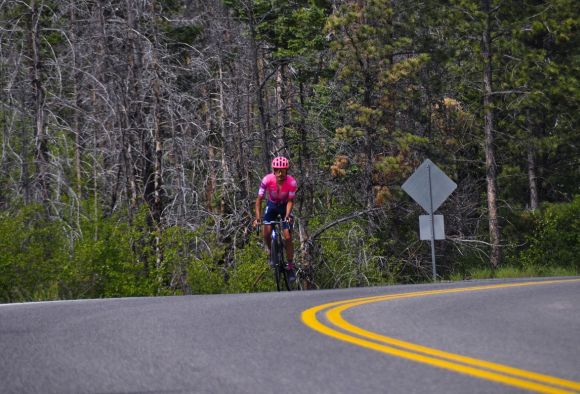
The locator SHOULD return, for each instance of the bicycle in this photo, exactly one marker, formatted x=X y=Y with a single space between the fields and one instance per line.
x=278 y=262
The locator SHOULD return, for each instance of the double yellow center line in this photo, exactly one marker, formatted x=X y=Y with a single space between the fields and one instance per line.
x=499 y=373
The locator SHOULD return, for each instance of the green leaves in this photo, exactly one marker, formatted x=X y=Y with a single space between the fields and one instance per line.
x=183 y=34
x=291 y=28
x=31 y=247
x=376 y=67
x=556 y=241
x=404 y=69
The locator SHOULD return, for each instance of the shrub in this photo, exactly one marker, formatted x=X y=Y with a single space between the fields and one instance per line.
x=31 y=254
x=107 y=260
x=250 y=272
x=555 y=242
x=204 y=277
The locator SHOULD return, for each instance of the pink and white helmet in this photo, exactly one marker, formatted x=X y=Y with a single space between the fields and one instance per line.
x=280 y=162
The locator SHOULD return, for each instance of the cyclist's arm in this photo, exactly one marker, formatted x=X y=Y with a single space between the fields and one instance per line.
x=289 y=207
x=291 y=194
x=258 y=209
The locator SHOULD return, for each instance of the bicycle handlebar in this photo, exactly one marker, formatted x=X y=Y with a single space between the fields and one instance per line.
x=279 y=221
x=271 y=222
x=275 y=221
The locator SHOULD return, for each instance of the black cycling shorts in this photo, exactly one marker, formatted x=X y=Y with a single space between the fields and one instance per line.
x=273 y=210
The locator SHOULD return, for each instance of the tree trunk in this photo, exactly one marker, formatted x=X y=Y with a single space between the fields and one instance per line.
x=305 y=200
x=228 y=181
x=489 y=147
x=77 y=100
x=41 y=141
x=24 y=153
x=258 y=67
x=532 y=170
x=282 y=115
x=157 y=209
x=370 y=142
x=137 y=162
x=97 y=107
x=532 y=178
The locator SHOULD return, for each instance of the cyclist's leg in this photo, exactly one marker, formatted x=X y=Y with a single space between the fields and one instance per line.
x=289 y=247
x=270 y=214
x=267 y=233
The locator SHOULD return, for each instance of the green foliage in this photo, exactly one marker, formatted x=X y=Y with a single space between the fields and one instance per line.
x=183 y=34
x=373 y=87
x=204 y=277
x=199 y=256
x=43 y=258
x=170 y=6
x=505 y=272
x=378 y=84
x=31 y=252
x=540 y=116
x=348 y=260
x=513 y=180
x=556 y=239
x=248 y=277
x=482 y=273
x=111 y=257
x=292 y=28
x=109 y=260
x=251 y=272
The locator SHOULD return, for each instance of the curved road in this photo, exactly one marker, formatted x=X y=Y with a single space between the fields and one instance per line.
x=478 y=337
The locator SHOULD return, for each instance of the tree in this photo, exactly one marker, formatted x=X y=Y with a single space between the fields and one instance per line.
x=374 y=61
x=489 y=146
x=540 y=85
x=472 y=35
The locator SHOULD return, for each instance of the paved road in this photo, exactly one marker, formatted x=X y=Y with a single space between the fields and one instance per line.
x=258 y=343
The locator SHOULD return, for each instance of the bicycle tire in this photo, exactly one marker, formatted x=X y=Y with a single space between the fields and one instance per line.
x=275 y=256
x=287 y=280
x=282 y=263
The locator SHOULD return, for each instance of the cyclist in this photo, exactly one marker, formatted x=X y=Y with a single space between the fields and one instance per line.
x=281 y=189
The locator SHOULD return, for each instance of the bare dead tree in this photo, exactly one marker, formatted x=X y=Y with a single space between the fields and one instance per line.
x=41 y=139
x=490 y=163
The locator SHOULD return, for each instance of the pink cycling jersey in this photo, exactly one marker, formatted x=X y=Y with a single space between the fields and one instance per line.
x=278 y=194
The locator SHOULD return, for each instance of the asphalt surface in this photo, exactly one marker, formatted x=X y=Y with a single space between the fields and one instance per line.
x=258 y=343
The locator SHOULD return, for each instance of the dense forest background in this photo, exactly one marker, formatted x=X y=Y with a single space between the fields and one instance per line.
x=134 y=134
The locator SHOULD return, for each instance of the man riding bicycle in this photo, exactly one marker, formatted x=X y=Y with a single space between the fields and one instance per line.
x=281 y=189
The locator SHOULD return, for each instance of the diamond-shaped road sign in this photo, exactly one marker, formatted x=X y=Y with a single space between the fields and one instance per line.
x=417 y=186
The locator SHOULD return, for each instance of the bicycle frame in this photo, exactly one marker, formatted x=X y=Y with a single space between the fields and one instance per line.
x=277 y=249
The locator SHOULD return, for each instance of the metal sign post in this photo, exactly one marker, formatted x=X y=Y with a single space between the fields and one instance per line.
x=432 y=224
x=430 y=187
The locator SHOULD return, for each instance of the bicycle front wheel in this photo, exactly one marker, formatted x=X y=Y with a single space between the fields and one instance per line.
x=276 y=262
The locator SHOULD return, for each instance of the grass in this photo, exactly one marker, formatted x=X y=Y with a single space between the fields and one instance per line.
x=519 y=272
